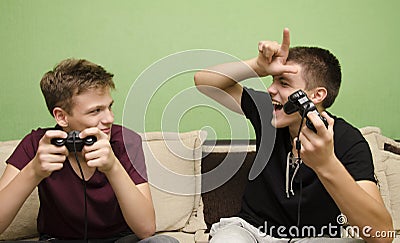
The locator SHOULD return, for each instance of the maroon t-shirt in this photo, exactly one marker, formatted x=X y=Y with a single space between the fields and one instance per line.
x=61 y=212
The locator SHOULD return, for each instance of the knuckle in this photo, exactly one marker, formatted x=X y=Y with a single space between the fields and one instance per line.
x=311 y=149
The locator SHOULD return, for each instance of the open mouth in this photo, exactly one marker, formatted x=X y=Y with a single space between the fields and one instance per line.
x=277 y=105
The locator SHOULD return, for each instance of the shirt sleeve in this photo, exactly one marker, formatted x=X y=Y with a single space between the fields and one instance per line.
x=359 y=163
x=128 y=148
x=353 y=151
x=26 y=149
x=257 y=107
x=247 y=103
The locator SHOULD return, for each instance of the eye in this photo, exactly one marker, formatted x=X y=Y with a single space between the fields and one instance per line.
x=283 y=83
x=95 y=111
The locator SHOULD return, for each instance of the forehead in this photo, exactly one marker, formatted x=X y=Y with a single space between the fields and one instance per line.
x=92 y=96
x=96 y=91
x=292 y=77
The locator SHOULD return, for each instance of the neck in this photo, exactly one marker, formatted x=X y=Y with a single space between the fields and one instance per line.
x=87 y=171
x=294 y=130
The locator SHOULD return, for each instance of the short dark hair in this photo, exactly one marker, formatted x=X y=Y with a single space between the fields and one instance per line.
x=320 y=68
x=72 y=77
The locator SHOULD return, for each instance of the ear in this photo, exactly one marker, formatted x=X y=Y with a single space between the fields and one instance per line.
x=318 y=95
x=61 y=117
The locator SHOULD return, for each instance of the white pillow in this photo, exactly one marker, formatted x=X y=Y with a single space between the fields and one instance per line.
x=174 y=170
x=24 y=224
x=387 y=170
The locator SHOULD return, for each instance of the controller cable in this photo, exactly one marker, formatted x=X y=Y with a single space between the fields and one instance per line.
x=298 y=148
x=84 y=190
x=298 y=160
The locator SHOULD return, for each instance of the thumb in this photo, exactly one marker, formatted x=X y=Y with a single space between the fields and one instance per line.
x=289 y=69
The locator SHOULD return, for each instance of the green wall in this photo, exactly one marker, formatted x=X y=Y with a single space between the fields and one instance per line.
x=127 y=37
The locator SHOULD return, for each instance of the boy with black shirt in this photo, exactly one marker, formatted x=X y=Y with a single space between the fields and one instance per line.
x=303 y=192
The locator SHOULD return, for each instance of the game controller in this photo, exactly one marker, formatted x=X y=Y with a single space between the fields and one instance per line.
x=73 y=142
x=298 y=101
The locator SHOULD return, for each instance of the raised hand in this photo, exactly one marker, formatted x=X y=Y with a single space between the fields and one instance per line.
x=272 y=56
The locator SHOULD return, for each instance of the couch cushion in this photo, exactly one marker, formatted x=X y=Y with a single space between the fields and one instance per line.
x=173 y=167
x=24 y=224
x=387 y=170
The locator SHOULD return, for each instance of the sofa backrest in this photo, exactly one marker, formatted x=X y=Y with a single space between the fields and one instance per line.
x=225 y=200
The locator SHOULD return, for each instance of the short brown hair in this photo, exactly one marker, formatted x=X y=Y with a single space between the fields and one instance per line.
x=72 y=77
x=320 y=68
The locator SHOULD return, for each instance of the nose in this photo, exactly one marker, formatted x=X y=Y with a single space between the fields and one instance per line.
x=108 y=117
x=272 y=89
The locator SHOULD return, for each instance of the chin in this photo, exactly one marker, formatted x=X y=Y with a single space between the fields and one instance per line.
x=275 y=123
x=279 y=123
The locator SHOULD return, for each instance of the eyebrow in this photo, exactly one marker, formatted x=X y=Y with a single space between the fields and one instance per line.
x=279 y=77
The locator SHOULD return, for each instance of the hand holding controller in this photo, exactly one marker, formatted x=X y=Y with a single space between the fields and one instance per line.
x=73 y=142
x=311 y=126
x=298 y=101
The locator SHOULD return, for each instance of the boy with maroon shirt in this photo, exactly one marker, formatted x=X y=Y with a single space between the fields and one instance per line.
x=100 y=193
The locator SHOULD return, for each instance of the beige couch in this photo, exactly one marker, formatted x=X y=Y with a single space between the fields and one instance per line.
x=174 y=168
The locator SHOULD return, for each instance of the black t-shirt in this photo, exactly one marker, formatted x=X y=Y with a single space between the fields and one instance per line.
x=265 y=202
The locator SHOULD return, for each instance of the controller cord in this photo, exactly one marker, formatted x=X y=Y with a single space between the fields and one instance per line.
x=298 y=148
x=84 y=191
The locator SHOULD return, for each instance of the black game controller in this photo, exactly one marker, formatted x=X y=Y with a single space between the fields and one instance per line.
x=73 y=142
x=298 y=101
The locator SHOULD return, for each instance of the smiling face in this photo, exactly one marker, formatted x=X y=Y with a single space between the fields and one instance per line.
x=91 y=109
x=282 y=86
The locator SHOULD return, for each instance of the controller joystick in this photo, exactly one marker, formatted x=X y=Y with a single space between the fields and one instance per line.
x=73 y=142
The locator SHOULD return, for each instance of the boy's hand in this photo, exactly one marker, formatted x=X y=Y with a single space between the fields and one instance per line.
x=317 y=147
x=100 y=154
x=49 y=157
x=272 y=57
